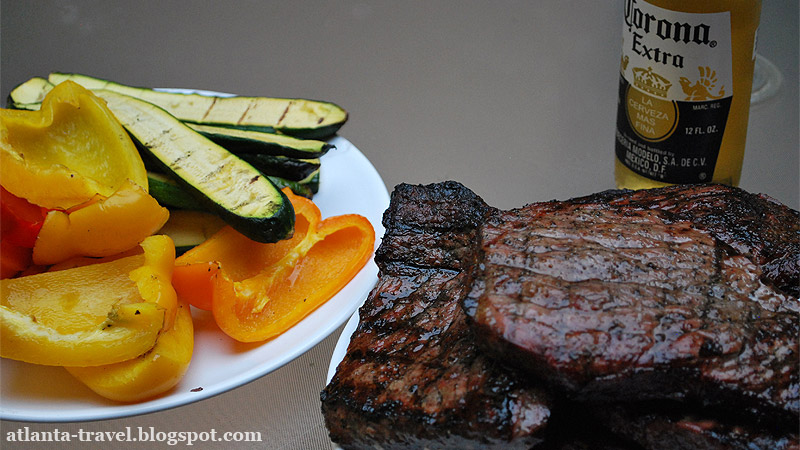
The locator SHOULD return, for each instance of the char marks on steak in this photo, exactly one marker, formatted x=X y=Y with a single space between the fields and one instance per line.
x=756 y=225
x=412 y=375
x=646 y=295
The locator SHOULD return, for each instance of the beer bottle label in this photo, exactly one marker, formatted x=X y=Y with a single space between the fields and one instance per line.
x=675 y=91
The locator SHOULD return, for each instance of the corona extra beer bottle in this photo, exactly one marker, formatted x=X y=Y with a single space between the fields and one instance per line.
x=686 y=74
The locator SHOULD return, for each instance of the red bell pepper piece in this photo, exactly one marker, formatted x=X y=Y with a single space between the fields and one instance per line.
x=21 y=220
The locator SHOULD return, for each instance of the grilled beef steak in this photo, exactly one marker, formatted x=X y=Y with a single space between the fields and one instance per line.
x=685 y=293
x=631 y=296
x=412 y=376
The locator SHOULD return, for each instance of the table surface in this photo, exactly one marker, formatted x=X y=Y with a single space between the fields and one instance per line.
x=515 y=99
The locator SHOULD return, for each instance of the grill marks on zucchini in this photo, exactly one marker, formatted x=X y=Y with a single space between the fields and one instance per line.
x=222 y=178
x=244 y=113
x=205 y=116
x=226 y=184
x=304 y=118
x=286 y=111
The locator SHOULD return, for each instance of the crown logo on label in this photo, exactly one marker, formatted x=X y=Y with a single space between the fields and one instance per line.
x=649 y=81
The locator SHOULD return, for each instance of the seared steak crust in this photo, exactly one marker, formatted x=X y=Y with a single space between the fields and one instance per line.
x=630 y=296
x=412 y=376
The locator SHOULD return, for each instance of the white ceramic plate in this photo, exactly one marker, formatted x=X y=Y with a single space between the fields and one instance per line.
x=349 y=184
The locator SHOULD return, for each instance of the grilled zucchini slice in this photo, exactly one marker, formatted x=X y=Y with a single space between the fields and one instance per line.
x=218 y=179
x=29 y=95
x=170 y=194
x=248 y=141
x=303 y=118
x=312 y=182
x=281 y=166
x=298 y=188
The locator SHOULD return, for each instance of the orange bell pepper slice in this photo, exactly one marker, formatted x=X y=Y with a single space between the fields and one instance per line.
x=257 y=291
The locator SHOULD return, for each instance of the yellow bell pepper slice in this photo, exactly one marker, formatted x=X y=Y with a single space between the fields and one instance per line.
x=101 y=228
x=150 y=374
x=129 y=331
x=68 y=151
x=90 y=315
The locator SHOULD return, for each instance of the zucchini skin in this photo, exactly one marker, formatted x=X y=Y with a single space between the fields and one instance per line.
x=247 y=141
x=280 y=166
x=168 y=193
x=323 y=132
x=312 y=182
x=196 y=108
x=270 y=223
x=301 y=189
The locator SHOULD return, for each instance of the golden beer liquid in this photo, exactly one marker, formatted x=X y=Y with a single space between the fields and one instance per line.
x=745 y=16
